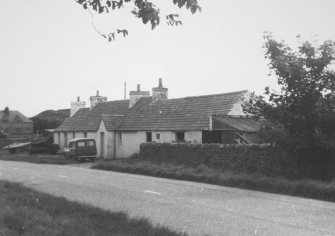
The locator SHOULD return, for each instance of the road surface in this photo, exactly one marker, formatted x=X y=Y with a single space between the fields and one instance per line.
x=194 y=208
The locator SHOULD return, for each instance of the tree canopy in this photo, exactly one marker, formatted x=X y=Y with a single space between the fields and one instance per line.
x=300 y=115
x=6 y=110
x=143 y=9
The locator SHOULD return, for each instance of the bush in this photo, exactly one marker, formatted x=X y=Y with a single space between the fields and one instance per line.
x=259 y=159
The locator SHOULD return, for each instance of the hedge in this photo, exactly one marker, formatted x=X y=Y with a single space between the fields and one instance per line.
x=256 y=159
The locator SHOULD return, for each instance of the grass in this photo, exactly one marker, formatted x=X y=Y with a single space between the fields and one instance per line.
x=28 y=212
x=36 y=158
x=307 y=188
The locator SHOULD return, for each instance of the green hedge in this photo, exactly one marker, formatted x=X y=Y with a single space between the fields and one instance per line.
x=256 y=159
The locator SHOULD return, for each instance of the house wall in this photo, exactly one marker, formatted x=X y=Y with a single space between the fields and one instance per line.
x=125 y=143
x=61 y=137
x=193 y=136
x=169 y=136
x=56 y=137
x=108 y=148
x=128 y=143
x=106 y=152
x=17 y=128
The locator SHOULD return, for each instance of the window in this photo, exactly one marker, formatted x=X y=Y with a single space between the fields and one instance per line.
x=73 y=135
x=71 y=145
x=81 y=144
x=85 y=134
x=158 y=136
x=180 y=136
x=149 y=137
x=90 y=143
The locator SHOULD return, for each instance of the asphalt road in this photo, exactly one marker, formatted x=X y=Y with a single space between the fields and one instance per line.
x=194 y=208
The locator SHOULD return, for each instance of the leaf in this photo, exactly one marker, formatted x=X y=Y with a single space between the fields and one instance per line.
x=153 y=25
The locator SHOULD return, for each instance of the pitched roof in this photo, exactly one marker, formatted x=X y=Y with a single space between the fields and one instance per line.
x=240 y=124
x=112 y=122
x=89 y=120
x=190 y=113
x=12 y=115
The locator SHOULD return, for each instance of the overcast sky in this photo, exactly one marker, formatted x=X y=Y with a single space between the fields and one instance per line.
x=50 y=52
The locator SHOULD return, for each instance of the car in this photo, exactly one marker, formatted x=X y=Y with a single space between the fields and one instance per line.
x=81 y=149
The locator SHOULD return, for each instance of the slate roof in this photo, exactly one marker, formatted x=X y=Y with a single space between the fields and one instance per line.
x=112 y=122
x=12 y=115
x=190 y=113
x=240 y=124
x=89 y=120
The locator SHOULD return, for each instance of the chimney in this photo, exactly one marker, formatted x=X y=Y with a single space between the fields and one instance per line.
x=134 y=96
x=75 y=106
x=159 y=92
x=95 y=100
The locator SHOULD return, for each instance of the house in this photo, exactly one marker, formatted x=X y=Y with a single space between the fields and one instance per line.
x=119 y=127
x=14 y=124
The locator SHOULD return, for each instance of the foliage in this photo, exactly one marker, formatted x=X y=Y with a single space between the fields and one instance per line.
x=6 y=111
x=28 y=212
x=301 y=112
x=41 y=124
x=201 y=173
x=143 y=9
x=257 y=159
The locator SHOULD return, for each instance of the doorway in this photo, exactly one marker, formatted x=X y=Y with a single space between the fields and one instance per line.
x=102 y=144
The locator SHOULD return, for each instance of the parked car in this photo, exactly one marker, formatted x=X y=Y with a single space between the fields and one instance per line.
x=81 y=149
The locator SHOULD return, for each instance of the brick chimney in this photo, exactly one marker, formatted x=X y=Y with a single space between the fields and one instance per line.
x=95 y=100
x=134 y=96
x=75 y=106
x=159 y=92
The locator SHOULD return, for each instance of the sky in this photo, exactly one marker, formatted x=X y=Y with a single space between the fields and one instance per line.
x=50 y=52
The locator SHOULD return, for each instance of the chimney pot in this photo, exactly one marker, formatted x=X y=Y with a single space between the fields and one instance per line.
x=134 y=96
x=159 y=92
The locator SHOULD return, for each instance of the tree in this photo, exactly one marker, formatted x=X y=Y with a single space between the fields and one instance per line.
x=41 y=124
x=143 y=9
x=300 y=115
x=6 y=111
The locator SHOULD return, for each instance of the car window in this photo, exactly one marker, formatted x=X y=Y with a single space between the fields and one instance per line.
x=81 y=144
x=91 y=143
x=71 y=145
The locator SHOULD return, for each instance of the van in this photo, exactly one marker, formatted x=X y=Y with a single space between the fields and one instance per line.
x=81 y=149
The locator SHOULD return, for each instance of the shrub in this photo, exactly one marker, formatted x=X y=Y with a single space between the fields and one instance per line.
x=259 y=159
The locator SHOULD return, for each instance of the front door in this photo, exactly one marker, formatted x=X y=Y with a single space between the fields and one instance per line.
x=102 y=144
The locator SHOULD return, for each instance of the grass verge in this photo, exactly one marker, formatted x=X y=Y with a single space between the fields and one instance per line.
x=36 y=158
x=28 y=212
x=303 y=188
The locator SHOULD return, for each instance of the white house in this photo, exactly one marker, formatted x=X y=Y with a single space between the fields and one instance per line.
x=119 y=127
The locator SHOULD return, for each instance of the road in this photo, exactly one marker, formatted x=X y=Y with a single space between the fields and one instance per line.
x=193 y=208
